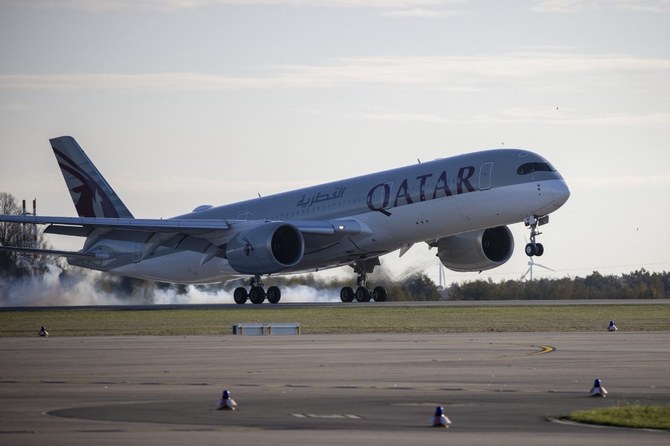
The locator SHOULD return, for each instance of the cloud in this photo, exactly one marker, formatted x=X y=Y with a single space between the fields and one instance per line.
x=406 y=117
x=559 y=6
x=647 y=119
x=391 y=8
x=439 y=72
x=157 y=81
x=526 y=115
x=422 y=13
x=624 y=182
x=570 y=117
x=15 y=107
x=180 y=5
x=576 y=6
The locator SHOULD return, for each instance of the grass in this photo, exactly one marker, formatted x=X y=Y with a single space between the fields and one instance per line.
x=636 y=416
x=341 y=319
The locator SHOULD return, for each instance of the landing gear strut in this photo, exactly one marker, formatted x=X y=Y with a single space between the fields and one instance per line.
x=363 y=293
x=532 y=221
x=256 y=293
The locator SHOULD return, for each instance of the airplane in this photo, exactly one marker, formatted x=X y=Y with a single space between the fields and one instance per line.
x=460 y=205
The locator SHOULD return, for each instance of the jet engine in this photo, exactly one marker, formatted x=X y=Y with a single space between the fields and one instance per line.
x=477 y=250
x=266 y=249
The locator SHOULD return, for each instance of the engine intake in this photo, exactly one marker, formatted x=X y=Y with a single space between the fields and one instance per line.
x=266 y=249
x=477 y=250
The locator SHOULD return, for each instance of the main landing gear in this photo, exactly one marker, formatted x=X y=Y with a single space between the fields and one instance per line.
x=532 y=221
x=256 y=293
x=363 y=293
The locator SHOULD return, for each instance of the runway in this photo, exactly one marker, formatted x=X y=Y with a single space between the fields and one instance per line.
x=497 y=388
x=402 y=304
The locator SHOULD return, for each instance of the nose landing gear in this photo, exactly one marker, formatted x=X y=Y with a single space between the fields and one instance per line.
x=533 y=221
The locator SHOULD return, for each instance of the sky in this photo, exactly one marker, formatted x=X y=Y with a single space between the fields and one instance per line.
x=181 y=103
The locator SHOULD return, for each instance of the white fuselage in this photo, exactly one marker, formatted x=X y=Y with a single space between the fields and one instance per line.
x=407 y=224
x=460 y=204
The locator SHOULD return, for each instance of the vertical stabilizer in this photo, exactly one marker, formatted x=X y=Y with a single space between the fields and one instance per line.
x=91 y=194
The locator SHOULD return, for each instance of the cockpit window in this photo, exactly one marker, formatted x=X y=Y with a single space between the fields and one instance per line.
x=527 y=168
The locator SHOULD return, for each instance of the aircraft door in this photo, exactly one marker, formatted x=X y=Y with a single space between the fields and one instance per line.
x=485 y=176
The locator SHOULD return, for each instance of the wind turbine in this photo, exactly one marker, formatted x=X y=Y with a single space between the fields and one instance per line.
x=440 y=277
x=531 y=264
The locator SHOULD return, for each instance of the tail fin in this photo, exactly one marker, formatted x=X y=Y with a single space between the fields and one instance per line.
x=91 y=194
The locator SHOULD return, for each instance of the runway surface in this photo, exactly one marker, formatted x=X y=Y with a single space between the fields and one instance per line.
x=402 y=304
x=497 y=388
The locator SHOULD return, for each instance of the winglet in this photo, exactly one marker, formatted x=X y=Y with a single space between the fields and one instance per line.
x=91 y=194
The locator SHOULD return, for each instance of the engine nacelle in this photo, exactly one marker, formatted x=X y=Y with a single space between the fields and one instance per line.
x=477 y=250
x=266 y=249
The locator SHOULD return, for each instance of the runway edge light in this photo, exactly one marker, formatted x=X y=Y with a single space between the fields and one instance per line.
x=440 y=419
x=598 y=389
x=226 y=402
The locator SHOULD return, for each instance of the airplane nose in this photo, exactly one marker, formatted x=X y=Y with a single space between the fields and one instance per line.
x=558 y=192
x=553 y=195
x=561 y=192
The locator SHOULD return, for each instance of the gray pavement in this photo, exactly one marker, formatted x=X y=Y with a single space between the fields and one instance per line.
x=497 y=388
x=337 y=303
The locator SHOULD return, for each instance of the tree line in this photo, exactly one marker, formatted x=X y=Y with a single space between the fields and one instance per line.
x=640 y=284
x=14 y=264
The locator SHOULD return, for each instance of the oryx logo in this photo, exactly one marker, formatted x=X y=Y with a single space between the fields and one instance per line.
x=89 y=198
x=248 y=247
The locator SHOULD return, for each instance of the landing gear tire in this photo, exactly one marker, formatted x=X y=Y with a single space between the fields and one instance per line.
x=379 y=294
x=347 y=294
x=531 y=249
x=240 y=295
x=363 y=294
x=534 y=249
x=256 y=295
x=364 y=267
x=273 y=295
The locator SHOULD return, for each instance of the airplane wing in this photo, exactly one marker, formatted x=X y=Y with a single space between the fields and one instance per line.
x=190 y=226
x=146 y=225
x=56 y=252
x=199 y=235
